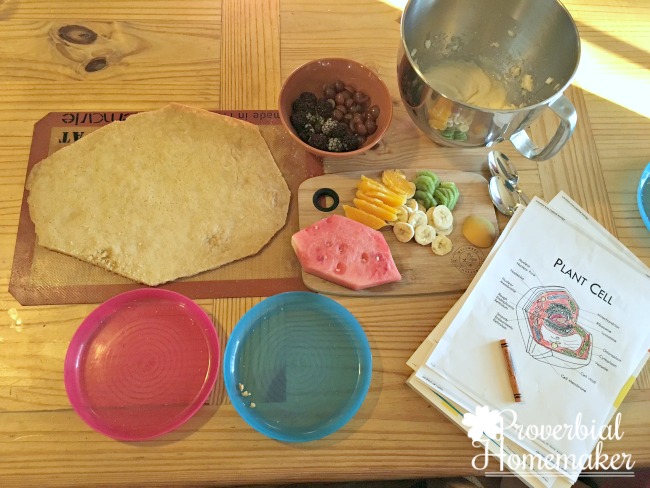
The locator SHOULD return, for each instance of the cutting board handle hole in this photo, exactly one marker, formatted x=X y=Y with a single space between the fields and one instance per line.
x=325 y=199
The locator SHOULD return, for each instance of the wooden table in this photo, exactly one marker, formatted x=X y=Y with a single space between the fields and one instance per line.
x=235 y=55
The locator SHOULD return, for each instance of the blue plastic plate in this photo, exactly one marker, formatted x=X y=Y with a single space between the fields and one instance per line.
x=643 y=196
x=297 y=366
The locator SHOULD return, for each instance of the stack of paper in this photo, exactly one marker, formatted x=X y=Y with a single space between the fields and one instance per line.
x=572 y=302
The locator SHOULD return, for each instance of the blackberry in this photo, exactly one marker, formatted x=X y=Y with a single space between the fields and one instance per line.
x=299 y=120
x=339 y=131
x=300 y=105
x=305 y=133
x=350 y=142
x=334 y=144
x=328 y=126
x=324 y=108
x=309 y=98
x=319 y=141
x=315 y=120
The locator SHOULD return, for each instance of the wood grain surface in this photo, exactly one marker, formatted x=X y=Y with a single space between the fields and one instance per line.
x=234 y=55
x=422 y=271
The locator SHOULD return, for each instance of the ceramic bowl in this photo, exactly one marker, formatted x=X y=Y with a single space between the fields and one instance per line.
x=311 y=77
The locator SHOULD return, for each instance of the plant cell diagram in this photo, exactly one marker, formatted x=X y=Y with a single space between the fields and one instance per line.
x=548 y=322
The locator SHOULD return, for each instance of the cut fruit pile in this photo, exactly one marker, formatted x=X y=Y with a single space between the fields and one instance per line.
x=430 y=191
x=377 y=203
x=418 y=210
x=426 y=228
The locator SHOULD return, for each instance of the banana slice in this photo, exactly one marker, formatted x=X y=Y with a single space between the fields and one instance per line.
x=441 y=245
x=403 y=213
x=403 y=231
x=445 y=232
x=430 y=215
x=442 y=217
x=417 y=218
x=424 y=234
x=412 y=204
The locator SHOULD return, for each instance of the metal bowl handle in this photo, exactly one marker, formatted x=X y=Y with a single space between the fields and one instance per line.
x=565 y=110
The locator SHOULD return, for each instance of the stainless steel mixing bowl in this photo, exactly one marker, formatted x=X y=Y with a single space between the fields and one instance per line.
x=530 y=47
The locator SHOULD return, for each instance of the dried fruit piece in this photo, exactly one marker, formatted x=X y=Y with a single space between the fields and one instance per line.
x=479 y=231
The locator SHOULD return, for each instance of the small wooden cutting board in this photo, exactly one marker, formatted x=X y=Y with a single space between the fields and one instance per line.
x=423 y=272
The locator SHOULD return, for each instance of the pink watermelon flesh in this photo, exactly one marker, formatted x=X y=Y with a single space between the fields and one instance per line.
x=343 y=251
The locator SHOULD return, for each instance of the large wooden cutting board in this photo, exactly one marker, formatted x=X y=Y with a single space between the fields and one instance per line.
x=422 y=271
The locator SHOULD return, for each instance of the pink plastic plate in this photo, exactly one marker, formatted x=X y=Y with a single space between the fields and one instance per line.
x=141 y=364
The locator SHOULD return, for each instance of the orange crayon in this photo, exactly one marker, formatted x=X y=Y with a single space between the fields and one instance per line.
x=512 y=376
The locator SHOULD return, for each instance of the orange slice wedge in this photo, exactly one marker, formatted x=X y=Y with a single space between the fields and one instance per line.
x=376 y=201
x=370 y=184
x=363 y=217
x=378 y=190
x=378 y=212
x=439 y=114
x=396 y=181
x=391 y=199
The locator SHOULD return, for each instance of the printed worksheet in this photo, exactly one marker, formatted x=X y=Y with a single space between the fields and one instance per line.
x=574 y=315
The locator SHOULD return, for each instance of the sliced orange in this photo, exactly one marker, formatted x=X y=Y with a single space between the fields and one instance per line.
x=391 y=199
x=439 y=114
x=368 y=187
x=363 y=217
x=394 y=172
x=376 y=201
x=382 y=213
x=396 y=181
x=370 y=184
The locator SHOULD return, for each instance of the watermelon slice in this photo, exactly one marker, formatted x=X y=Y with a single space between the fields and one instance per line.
x=343 y=251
